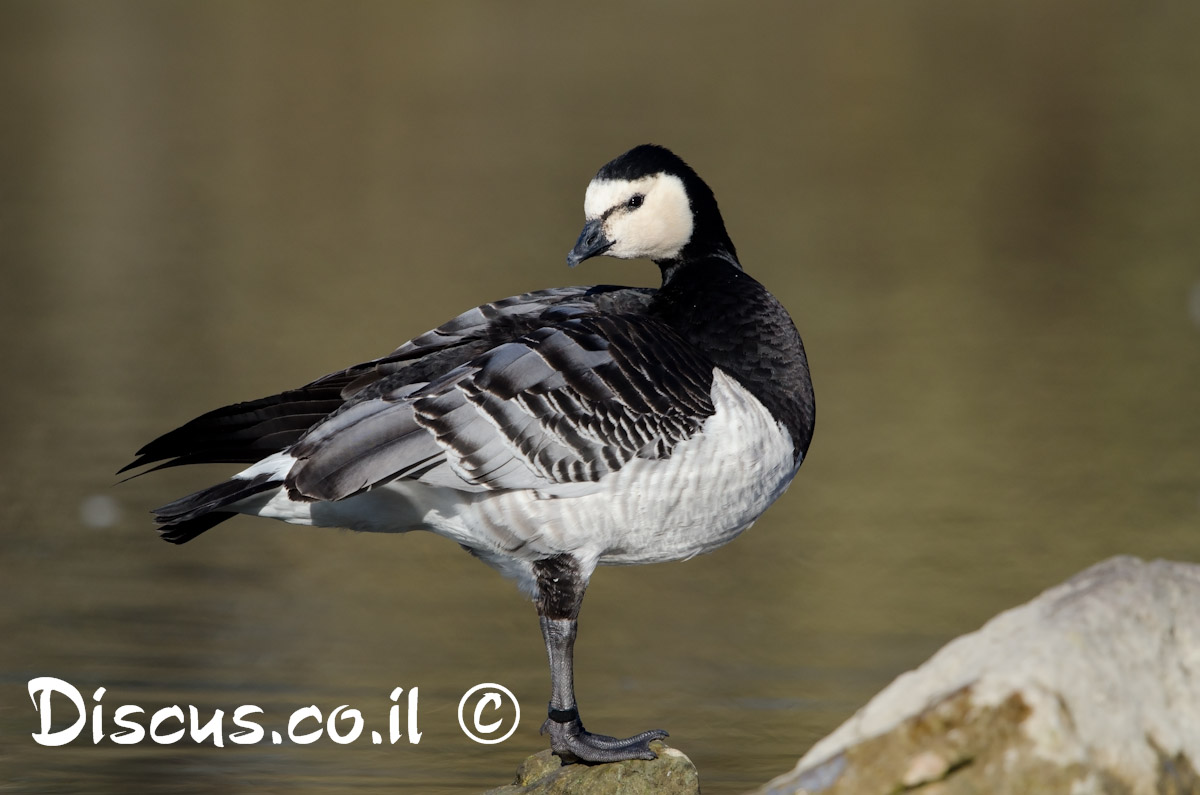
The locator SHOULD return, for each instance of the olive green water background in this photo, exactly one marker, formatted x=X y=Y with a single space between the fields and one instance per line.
x=984 y=218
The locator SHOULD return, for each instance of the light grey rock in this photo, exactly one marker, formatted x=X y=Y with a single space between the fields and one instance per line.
x=545 y=774
x=1093 y=687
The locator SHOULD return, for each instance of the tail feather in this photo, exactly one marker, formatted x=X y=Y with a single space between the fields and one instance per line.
x=184 y=519
x=184 y=531
x=244 y=432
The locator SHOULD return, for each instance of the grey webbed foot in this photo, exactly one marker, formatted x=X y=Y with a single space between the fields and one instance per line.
x=574 y=743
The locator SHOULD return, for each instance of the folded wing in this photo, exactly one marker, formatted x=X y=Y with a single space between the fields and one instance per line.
x=246 y=432
x=555 y=410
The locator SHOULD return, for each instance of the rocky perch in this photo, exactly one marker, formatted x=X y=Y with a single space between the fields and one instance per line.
x=545 y=774
x=1092 y=688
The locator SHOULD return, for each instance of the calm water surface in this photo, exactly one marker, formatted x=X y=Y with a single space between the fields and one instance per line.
x=983 y=220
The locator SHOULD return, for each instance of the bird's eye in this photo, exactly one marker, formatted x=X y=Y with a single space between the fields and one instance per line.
x=635 y=201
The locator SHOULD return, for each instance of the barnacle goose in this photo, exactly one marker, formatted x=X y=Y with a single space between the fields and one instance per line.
x=549 y=432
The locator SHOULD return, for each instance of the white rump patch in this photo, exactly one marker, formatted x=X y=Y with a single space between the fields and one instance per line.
x=277 y=465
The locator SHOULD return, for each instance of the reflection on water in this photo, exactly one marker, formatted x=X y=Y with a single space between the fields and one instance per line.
x=982 y=219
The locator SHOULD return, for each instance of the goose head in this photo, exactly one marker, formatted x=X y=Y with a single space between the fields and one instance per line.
x=649 y=203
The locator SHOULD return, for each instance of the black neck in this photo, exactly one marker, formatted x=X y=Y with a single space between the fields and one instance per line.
x=746 y=332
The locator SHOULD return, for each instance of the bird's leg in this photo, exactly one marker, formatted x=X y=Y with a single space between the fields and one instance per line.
x=560 y=593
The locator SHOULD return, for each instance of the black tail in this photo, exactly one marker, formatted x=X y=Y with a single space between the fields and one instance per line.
x=244 y=432
x=184 y=519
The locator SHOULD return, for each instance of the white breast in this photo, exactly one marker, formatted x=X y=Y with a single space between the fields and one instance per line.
x=713 y=486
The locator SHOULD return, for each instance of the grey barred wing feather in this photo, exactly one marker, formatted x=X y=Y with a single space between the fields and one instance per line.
x=554 y=410
x=481 y=328
x=247 y=432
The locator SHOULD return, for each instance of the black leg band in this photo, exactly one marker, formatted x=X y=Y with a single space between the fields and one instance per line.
x=563 y=715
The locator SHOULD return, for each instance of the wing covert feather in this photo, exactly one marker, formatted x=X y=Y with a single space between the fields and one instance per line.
x=555 y=410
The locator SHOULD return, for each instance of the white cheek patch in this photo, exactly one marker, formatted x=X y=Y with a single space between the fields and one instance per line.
x=604 y=194
x=658 y=229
